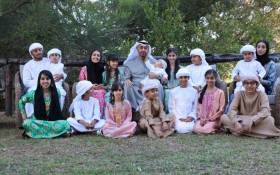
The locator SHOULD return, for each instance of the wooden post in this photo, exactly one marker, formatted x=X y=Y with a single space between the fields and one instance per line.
x=8 y=90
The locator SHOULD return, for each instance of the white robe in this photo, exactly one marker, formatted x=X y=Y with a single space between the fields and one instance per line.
x=87 y=111
x=248 y=68
x=58 y=69
x=197 y=74
x=182 y=103
x=159 y=72
x=31 y=72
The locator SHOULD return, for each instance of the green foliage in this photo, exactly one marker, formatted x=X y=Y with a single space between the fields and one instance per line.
x=75 y=26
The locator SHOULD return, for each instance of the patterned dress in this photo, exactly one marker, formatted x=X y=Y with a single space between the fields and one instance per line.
x=210 y=110
x=172 y=83
x=111 y=81
x=41 y=128
x=118 y=121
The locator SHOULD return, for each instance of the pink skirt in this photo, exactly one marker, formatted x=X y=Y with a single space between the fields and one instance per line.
x=100 y=95
x=208 y=128
x=124 y=130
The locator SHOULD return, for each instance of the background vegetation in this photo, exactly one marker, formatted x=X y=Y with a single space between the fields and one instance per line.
x=78 y=26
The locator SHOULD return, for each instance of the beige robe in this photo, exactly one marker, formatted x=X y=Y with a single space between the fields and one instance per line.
x=152 y=113
x=250 y=115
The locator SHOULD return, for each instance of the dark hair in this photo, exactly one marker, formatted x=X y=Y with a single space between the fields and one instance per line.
x=177 y=67
x=209 y=72
x=263 y=59
x=116 y=86
x=111 y=57
x=39 y=102
x=95 y=70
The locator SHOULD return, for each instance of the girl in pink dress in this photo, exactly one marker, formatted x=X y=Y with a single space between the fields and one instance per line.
x=92 y=72
x=118 y=115
x=210 y=105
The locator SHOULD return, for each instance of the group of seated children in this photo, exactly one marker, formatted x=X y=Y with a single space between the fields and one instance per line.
x=196 y=105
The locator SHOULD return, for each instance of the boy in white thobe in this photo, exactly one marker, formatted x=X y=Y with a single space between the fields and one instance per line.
x=86 y=110
x=182 y=103
x=56 y=67
x=197 y=69
x=247 y=67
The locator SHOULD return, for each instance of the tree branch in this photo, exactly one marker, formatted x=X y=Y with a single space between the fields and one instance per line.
x=14 y=8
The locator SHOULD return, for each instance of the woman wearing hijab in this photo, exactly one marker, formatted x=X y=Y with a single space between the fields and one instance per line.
x=262 y=51
x=93 y=73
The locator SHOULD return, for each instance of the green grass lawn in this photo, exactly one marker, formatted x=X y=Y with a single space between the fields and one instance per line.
x=178 y=154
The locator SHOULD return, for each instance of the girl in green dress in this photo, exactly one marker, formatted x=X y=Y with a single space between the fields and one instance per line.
x=47 y=120
x=111 y=74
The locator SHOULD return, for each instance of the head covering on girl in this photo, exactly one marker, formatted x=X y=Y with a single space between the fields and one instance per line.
x=200 y=53
x=263 y=59
x=95 y=70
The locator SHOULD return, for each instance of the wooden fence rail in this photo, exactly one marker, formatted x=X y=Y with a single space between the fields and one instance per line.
x=12 y=65
x=73 y=62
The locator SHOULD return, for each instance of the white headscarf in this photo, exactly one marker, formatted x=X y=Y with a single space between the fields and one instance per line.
x=182 y=72
x=35 y=46
x=133 y=54
x=81 y=88
x=148 y=85
x=248 y=48
x=200 y=53
x=251 y=77
x=55 y=51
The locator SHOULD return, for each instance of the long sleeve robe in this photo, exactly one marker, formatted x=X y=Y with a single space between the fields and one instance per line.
x=126 y=128
x=253 y=113
x=248 y=68
x=86 y=111
x=135 y=71
x=197 y=74
x=152 y=113
x=183 y=103
x=31 y=72
x=210 y=110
